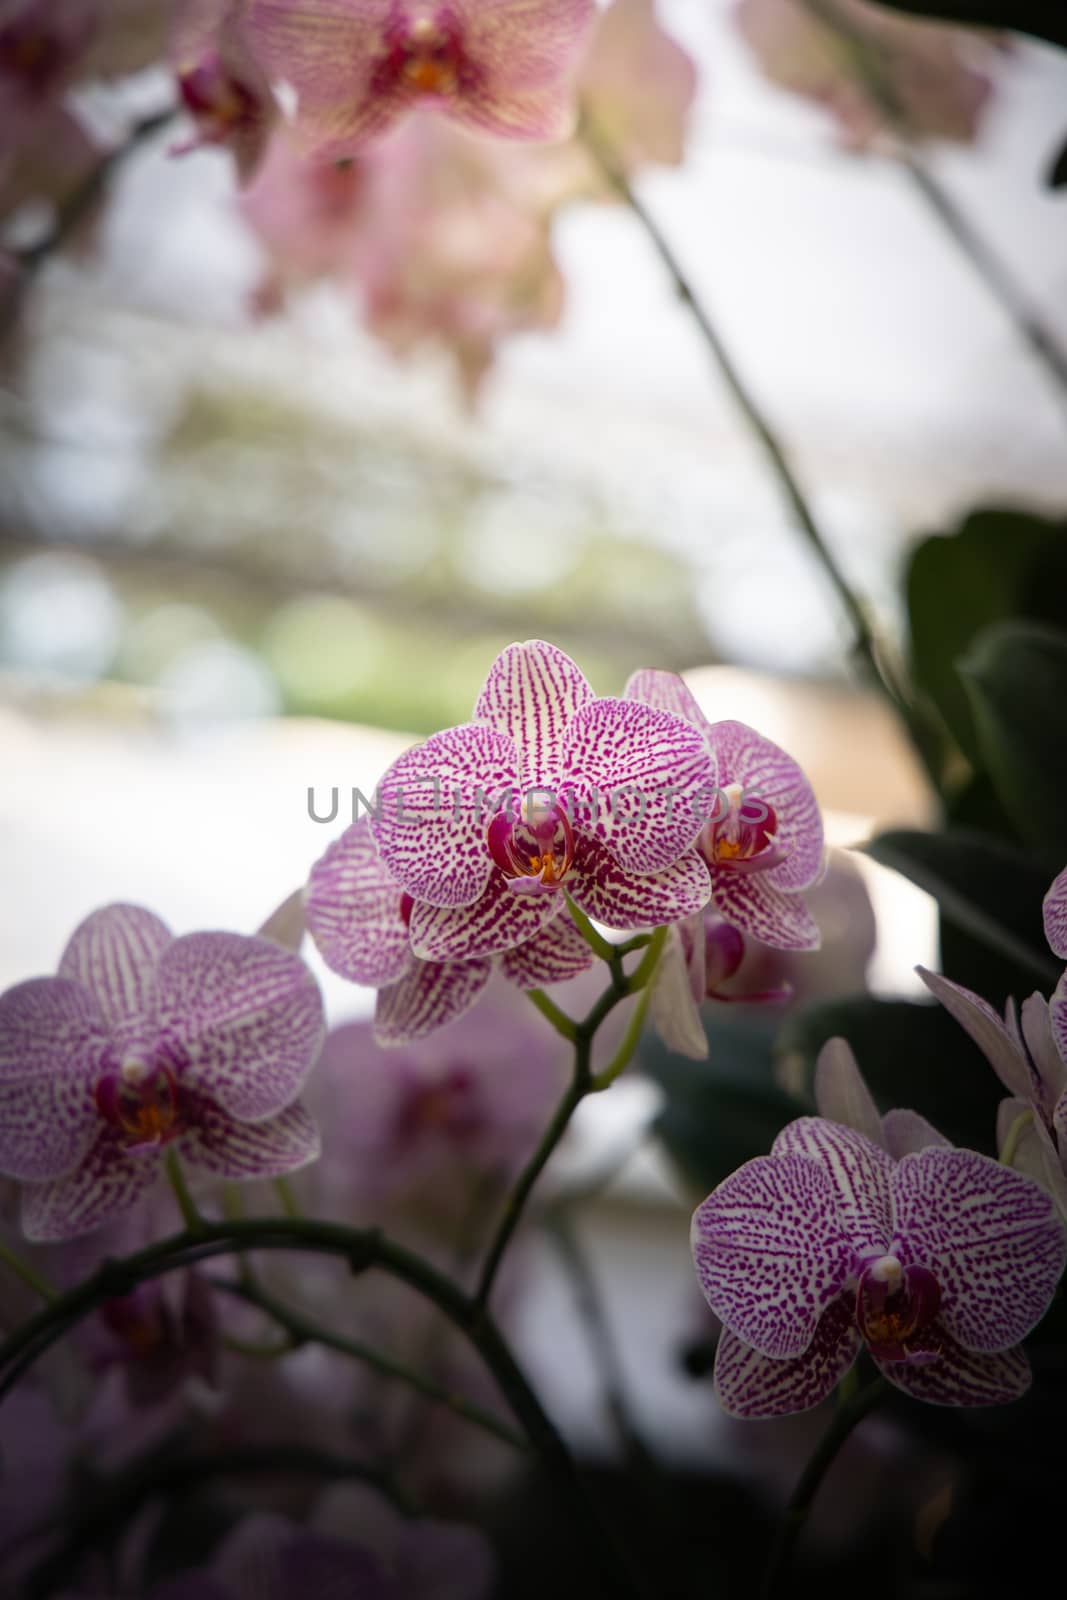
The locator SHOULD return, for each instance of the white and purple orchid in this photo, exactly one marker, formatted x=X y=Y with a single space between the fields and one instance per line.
x=764 y=839
x=143 y=1043
x=502 y=67
x=359 y=918
x=550 y=791
x=939 y=1264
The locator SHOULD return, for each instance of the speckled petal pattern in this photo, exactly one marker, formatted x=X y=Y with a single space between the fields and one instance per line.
x=532 y=692
x=752 y=1385
x=431 y=994
x=352 y=911
x=113 y=955
x=859 y=1172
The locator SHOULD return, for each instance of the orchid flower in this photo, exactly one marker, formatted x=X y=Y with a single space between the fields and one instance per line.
x=764 y=840
x=550 y=791
x=502 y=67
x=144 y=1043
x=359 y=917
x=221 y=84
x=939 y=1264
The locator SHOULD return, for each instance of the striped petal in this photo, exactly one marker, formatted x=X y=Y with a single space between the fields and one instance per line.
x=555 y=954
x=666 y=691
x=627 y=900
x=642 y=781
x=353 y=912
x=221 y=1145
x=241 y=1020
x=497 y=921
x=436 y=802
x=962 y=1377
x=753 y=902
x=752 y=1385
x=989 y=1033
x=524 y=44
x=47 y=1124
x=1057 y=1016
x=49 y=1026
x=1054 y=912
x=770 y=1252
x=859 y=1172
x=107 y=1182
x=763 y=769
x=430 y=995
x=990 y=1237
x=113 y=954
x=841 y=1093
x=532 y=692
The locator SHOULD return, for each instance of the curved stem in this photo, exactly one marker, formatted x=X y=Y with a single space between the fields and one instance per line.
x=176 y=1178
x=363 y=1249
x=564 y=1025
x=303 y=1330
x=848 y=1414
x=642 y=981
x=29 y=1275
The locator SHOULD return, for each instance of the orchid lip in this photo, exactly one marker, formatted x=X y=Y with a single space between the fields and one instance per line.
x=895 y=1305
x=534 y=851
x=741 y=832
x=140 y=1103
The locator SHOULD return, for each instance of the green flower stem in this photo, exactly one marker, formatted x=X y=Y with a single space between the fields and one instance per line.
x=850 y=1411
x=29 y=1275
x=364 y=1250
x=1015 y=1133
x=863 y=56
x=303 y=1330
x=549 y=1009
x=597 y=943
x=176 y=1178
x=289 y=1203
x=582 y=1082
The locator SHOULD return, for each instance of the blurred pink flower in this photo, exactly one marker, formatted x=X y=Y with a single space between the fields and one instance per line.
x=503 y=67
x=637 y=87
x=221 y=84
x=938 y=74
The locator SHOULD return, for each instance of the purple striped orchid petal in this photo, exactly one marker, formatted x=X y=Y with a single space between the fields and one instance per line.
x=47 y=1124
x=987 y=1030
x=220 y=1144
x=961 y=1377
x=1035 y=1031
x=496 y=922
x=629 y=900
x=770 y=1252
x=666 y=691
x=241 y=1019
x=990 y=1237
x=532 y=692
x=640 y=781
x=431 y=994
x=109 y=1180
x=1057 y=1016
x=49 y=1026
x=766 y=772
x=859 y=1172
x=756 y=905
x=841 y=1093
x=113 y=955
x=906 y=1133
x=435 y=805
x=1025 y=1145
x=353 y=911
x=1054 y=912
x=751 y=1385
x=554 y=955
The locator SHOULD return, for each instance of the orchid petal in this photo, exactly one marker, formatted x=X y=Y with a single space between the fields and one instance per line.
x=673 y=1010
x=1054 y=912
x=46 y=1124
x=286 y=924
x=524 y=44
x=554 y=955
x=990 y=1237
x=1033 y=1152
x=763 y=769
x=859 y=1171
x=989 y=1033
x=642 y=781
x=1057 y=1016
x=841 y=1094
x=496 y=922
x=961 y=1377
x=241 y=1019
x=666 y=691
x=906 y=1133
x=532 y=692
x=430 y=995
x=220 y=1144
x=48 y=1027
x=113 y=954
x=353 y=911
x=626 y=900
x=770 y=1252
x=435 y=805
x=752 y=1385
x=1036 y=1031
x=108 y=1181
x=755 y=904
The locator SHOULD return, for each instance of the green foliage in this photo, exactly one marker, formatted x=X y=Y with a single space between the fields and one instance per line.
x=1047 y=19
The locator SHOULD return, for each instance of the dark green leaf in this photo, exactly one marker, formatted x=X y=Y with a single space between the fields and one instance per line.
x=987 y=888
x=1016 y=677
x=913 y=1056
x=1046 y=19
